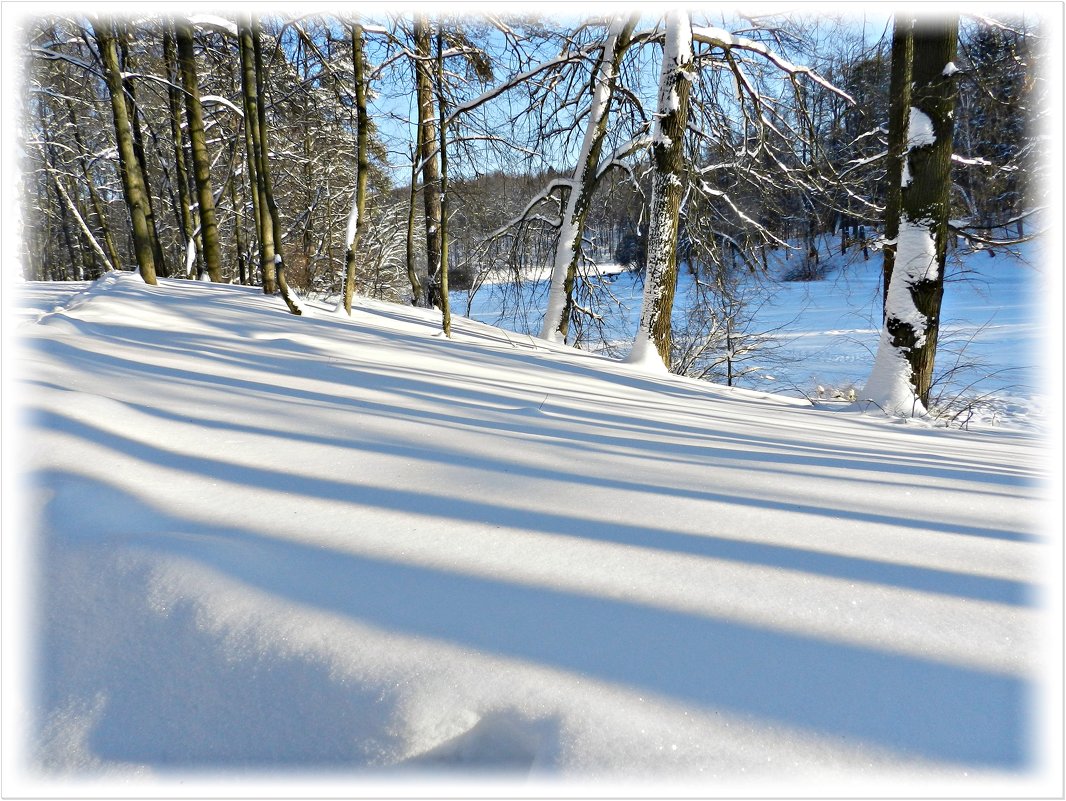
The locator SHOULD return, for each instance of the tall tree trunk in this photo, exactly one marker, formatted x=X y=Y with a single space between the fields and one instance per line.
x=356 y=220
x=430 y=162
x=903 y=368
x=445 y=304
x=269 y=208
x=200 y=159
x=583 y=182
x=132 y=180
x=127 y=66
x=253 y=139
x=188 y=227
x=899 y=104
x=653 y=339
x=417 y=293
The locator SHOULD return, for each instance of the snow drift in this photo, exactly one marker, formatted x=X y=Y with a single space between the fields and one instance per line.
x=350 y=547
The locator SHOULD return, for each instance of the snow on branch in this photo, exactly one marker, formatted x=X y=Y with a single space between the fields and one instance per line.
x=219 y=100
x=214 y=23
x=719 y=37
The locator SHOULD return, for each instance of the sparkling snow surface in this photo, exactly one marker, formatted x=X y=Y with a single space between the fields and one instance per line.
x=352 y=548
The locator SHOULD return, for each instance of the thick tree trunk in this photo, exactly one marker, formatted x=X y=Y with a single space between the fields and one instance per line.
x=356 y=221
x=903 y=368
x=583 y=182
x=132 y=180
x=200 y=159
x=430 y=163
x=653 y=340
x=127 y=66
x=898 y=109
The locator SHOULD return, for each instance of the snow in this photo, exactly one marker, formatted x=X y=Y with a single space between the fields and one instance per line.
x=214 y=22
x=919 y=129
x=353 y=551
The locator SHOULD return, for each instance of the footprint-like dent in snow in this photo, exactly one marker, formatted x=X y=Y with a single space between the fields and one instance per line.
x=499 y=741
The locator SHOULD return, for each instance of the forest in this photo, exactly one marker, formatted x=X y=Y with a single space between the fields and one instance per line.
x=320 y=156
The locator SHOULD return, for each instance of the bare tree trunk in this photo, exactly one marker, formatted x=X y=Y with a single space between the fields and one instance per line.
x=356 y=220
x=579 y=196
x=417 y=294
x=253 y=140
x=132 y=180
x=127 y=65
x=668 y=164
x=445 y=304
x=181 y=178
x=430 y=163
x=899 y=95
x=269 y=207
x=200 y=159
x=903 y=368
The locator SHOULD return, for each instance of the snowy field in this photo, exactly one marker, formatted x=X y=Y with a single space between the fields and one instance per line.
x=277 y=555
x=992 y=337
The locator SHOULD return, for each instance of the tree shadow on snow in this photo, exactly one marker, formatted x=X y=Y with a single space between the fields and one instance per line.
x=904 y=703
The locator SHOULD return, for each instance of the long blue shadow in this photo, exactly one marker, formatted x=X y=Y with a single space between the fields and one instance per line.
x=965 y=585
x=903 y=703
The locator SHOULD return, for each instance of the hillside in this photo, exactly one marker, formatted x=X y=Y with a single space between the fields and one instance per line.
x=353 y=549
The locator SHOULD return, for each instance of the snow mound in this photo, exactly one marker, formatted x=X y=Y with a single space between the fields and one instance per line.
x=350 y=547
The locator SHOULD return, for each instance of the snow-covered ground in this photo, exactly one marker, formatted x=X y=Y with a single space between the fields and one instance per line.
x=991 y=345
x=276 y=555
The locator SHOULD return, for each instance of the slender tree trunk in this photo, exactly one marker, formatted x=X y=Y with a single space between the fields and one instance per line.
x=668 y=164
x=430 y=162
x=445 y=304
x=252 y=102
x=903 y=368
x=200 y=158
x=138 y=148
x=898 y=109
x=417 y=294
x=583 y=182
x=180 y=172
x=132 y=180
x=268 y=206
x=356 y=220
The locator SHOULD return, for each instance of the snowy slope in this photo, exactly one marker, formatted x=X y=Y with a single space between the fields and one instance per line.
x=355 y=548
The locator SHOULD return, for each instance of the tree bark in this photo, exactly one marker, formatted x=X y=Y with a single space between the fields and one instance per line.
x=417 y=293
x=927 y=198
x=430 y=164
x=253 y=141
x=902 y=375
x=200 y=158
x=898 y=110
x=356 y=220
x=127 y=65
x=181 y=174
x=445 y=305
x=132 y=180
x=667 y=189
x=269 y=207
x=583 y=183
